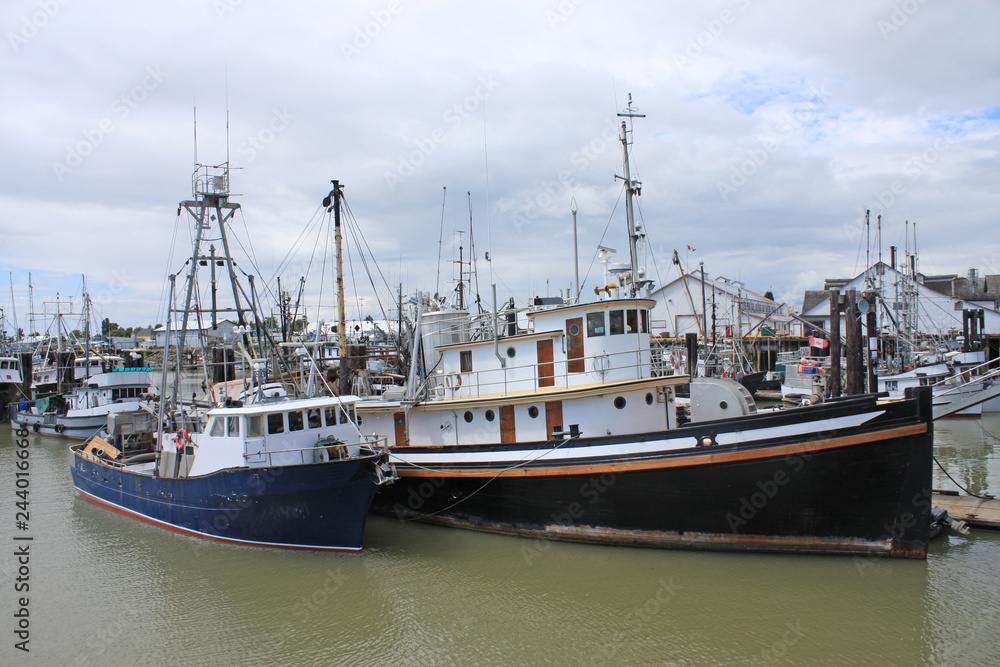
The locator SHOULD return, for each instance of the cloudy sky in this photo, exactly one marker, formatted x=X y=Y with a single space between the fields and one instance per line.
x=769 y=128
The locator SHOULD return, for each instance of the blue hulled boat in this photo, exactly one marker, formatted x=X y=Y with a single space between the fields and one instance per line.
x=292 y=473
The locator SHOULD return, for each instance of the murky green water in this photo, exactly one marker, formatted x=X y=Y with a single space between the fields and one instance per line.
x=106 y=589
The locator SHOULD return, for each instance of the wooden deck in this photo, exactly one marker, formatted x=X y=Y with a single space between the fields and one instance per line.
x=977 y=512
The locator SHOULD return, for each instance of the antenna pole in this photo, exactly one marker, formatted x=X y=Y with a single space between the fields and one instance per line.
x=631 y=188
x=576 y=252
x=437 y=284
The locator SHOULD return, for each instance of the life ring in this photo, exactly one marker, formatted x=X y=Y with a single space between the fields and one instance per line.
x=182 y=439
x=453 y=380
x=676 y=360
x=60 y=428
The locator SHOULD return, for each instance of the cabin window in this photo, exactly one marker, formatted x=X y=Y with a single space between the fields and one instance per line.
x=891 y=385
x=511 y=352
x=533 y=412
x=295 y=422
x=330 y=414
x=644 y=321
x=468 y=416
x=314 y=418
x=620 y=402
x=595 y=324
x=216 y=429
x=255 y=426
x=631 y=321
x=466 y=360
x=490 y=415
x=276 y=422
x=233 y=427
x=617 y=318
x=3 y=364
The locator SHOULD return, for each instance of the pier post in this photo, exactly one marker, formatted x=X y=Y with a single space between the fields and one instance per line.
x=835 y=306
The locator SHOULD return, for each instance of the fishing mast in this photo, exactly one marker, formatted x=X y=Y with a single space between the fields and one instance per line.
x=631 y=188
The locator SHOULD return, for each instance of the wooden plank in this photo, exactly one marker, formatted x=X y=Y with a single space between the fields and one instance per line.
x=977 y=512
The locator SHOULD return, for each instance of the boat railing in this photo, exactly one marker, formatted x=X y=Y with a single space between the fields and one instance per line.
x=371 y=445
x=600 y=368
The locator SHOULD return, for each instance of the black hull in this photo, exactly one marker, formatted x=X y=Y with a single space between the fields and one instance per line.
x=858 y=489
x=319 y=506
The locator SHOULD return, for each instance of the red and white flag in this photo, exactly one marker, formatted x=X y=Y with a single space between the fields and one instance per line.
x=692 y=249
x=818 y=342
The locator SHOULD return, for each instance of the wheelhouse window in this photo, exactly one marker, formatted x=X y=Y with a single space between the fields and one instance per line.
x=255 y=426
x=233 y=427
x=314 y=418
x=631 y=321
x=644 y=321
x=330 y=414
x=617 y=320
x=216 y=428
x=295 y=422
x=466 y=360
x=595 y=324
x=276 y=422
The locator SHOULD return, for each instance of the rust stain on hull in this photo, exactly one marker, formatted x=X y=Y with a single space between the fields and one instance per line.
x=691 y=540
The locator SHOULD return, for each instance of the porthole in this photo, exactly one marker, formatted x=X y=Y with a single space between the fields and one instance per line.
x=468 y=416
x=649 y=399
x=489 y=415
x=511 y=352
x=532 y=412
x=620 y=402
x=723 y=405
x=574 y=330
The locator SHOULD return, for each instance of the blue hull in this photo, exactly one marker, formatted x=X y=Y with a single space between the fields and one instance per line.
x=318 y=506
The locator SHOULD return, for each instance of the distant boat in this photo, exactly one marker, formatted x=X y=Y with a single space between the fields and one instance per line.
x=84 y=410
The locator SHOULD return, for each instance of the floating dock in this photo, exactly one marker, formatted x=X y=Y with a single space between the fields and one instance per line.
x=975 y=511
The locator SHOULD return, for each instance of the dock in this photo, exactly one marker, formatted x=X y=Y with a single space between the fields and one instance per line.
x=977 y=512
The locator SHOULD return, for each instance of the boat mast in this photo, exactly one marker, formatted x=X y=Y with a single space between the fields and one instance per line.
x=631 y=188
x=210 y=210
x=332 y=202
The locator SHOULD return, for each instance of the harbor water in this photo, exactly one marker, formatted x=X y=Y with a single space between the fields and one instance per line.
x=106 y=589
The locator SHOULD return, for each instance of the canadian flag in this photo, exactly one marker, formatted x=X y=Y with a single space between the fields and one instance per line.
x=692 y=249
x=818 y=342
